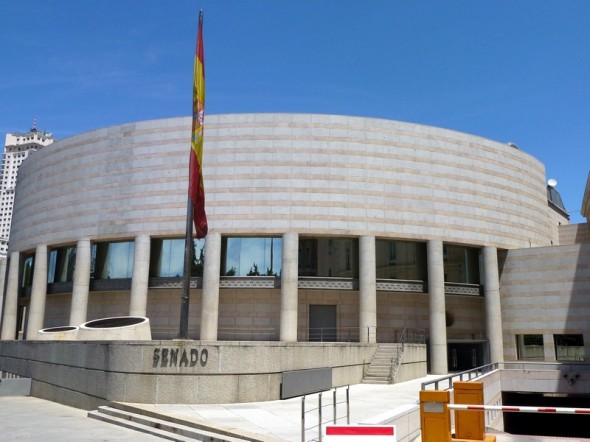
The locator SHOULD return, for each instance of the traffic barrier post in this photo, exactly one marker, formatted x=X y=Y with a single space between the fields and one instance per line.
x=469 y=424
x=435 y=416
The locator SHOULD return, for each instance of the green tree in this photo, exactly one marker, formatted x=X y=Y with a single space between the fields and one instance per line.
x=254 y=271
x=198 y=262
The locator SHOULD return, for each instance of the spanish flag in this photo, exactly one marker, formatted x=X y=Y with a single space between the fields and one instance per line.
x=196 y=188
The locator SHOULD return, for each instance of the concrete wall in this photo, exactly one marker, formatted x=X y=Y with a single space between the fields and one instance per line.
x=406 y=418
x=15 y=387
x=313 y=174
x=413 y=363
x=87 y=374
x=545 y=291
x=574 y=234
x=548 y=380
x=557 y=220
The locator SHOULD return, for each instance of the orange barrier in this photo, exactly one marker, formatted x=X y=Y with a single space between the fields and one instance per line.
x=469 y=424
x=435 y=415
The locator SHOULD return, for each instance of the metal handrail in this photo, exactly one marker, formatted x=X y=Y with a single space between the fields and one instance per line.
x=250 y=333
x=319 y=409
x=511 y=365
x=468 y=374
x=395 y=360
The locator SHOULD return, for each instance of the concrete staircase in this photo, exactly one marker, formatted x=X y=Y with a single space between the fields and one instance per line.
x=171 y=427
x=384 y=364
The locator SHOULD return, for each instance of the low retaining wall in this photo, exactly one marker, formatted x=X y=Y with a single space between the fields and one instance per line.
x=13 y=385
x=413 y=363
x=89 y=374
x=406 y=419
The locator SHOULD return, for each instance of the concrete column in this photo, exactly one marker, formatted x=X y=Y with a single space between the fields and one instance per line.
x=141 y=274
x=289 y=287
x=367 y=290
x=38 y=294
x=492 y=303
x=11 y=299
x=81 y=283
x=436 y=292
x=210 y=296
x=2 y=281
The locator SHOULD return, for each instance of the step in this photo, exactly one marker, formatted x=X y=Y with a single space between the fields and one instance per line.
x=384 y=378
x=161 y=427
x=125 y=423
x=194 y=423
x=374 y=381
x=378 y=371
x=183 y=432
x=385 y=356
x=382 y=362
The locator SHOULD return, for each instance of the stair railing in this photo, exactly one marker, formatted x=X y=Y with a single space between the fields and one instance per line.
x=396 y=359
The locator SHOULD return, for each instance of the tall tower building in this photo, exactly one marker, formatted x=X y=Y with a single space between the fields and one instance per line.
x=17 y=147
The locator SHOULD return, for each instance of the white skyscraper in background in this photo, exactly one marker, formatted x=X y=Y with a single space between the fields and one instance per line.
x=17 y=147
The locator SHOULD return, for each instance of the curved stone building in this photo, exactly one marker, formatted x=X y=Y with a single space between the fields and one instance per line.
x=321 y=228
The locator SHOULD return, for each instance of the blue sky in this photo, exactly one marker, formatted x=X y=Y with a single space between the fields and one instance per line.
x=511 y=71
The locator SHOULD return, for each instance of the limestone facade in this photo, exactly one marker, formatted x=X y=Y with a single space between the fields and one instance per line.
x=290 y=177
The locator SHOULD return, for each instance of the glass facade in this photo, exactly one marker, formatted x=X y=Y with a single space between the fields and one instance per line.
x=112 y=260
x=167 y=257
x=461 y=264
x=248 y=256
x=61 y=264
x=329 y=257
x=400 y=260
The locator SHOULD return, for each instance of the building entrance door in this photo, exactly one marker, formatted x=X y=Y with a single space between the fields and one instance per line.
x=322 y=323
x=465 y=355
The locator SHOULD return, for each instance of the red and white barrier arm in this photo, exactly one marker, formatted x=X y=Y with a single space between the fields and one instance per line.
x=520 y=409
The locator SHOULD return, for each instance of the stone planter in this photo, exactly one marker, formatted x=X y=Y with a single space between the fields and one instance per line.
x=120 y=328
x=64 y=333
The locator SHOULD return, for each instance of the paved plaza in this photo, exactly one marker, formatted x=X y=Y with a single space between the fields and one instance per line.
x=34 y=419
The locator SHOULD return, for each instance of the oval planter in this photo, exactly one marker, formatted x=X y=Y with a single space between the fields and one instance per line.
x=63 y=333
x=119 y=328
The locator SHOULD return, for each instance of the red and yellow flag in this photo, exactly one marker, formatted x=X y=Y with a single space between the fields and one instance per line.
x=196 y=188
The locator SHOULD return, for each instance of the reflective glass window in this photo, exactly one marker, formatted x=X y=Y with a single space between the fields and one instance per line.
x=400 y=260
x=28 y=263
x=569 y=347
x=328 y=257
x=530 y=347
x=167 y=257
x=461 y=264
x=248 y=256
x=112 y=260
x=61 y=264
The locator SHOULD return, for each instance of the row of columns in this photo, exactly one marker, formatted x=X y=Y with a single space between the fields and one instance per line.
x=289 y=292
